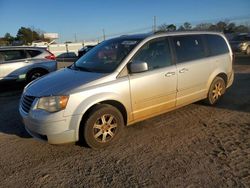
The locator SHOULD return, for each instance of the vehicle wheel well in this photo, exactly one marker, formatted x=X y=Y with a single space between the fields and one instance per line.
x=119 y=106
x=223 y=76
x=114 y=103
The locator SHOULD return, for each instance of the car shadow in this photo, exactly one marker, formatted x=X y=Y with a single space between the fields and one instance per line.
x=237 y=96
x=11 y=88
x=10 y=120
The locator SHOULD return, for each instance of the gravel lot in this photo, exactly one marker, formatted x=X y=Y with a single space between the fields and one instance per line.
x=194 y=146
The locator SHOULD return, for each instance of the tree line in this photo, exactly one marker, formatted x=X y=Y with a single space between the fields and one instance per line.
x=221 y=26
x=26 y=35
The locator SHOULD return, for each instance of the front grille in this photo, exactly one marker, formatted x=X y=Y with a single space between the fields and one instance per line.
x=26 y=102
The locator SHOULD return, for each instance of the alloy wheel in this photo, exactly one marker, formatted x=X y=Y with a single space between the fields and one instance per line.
x=104 y=128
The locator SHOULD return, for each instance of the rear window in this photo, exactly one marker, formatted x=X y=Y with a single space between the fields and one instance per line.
x=189 y=47
x=33 y=53
x=216 y=44
x=9 y=55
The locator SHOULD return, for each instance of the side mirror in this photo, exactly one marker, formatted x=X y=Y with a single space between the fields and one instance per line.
x=137 y=66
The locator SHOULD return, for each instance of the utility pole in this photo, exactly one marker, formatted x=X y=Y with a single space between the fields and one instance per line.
x=103 y=32
x=154 y=27
x=75 y=38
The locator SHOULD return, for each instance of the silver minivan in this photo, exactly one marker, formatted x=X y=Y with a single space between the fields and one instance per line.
x=125 y=80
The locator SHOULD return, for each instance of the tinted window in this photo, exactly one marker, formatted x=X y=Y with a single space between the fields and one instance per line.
x=13 y=55
x=188 y=47
x=216 y=45
x=67 y=55
x=156 y=53
x=34 y=53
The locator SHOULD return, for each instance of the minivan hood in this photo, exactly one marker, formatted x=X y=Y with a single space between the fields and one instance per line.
x=61 y=82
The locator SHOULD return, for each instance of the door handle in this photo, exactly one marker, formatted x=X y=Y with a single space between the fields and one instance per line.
x=169 y=74
x=183 y=70
x=26 y=61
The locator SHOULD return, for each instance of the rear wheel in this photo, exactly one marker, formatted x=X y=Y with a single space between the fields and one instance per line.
x=34 y=74
x=217 y=89
x=103 y=126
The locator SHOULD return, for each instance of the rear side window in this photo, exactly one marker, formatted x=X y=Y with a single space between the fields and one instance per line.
x=189 y=47
x=156 y=53
x=216 y=44
x=13 y=55
x=33 y=53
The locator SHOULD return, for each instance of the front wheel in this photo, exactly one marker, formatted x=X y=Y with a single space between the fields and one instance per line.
x=34 y=74
x=216 y=90
x=103 y=126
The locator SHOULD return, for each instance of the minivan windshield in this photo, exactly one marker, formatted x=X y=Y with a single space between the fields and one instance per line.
x=106 y=56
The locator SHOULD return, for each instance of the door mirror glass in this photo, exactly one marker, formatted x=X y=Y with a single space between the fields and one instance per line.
x=137 y=66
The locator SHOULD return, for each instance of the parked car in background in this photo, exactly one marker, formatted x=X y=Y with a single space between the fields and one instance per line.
x=241 y=43
x=84 y=50
x=67 y=57
x=125 y=80
x=25 y=63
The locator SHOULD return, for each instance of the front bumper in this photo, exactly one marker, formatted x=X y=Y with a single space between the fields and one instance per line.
x=43 y=126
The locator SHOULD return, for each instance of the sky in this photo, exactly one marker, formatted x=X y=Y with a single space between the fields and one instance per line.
x=86 y=19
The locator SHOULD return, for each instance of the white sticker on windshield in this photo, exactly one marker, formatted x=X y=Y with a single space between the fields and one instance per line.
x=129 y=42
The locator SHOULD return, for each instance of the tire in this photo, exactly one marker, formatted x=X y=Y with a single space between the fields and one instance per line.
x=248 y=50
x=34 y=74
x=216 y=90
x=103 y=126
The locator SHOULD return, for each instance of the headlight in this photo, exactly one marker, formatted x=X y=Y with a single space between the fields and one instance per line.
x=53 y=103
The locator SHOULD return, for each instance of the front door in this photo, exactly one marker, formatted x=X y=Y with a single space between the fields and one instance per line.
x=153 y=91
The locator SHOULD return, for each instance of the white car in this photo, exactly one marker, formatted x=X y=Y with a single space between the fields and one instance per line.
x=25 y=63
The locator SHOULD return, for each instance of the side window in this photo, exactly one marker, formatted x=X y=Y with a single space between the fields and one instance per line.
x=156 y=53
x=189 y=48
x=33 y=53
x=216 y=44
x=14 y=55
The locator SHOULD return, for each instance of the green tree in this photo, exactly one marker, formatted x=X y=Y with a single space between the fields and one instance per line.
x=221 y=26
x=27 y=35
x=181 y=28
x=203 y=26
x=166 y=27
x=171 y=27
x=7 y=37
x=241 y=29
x=187 y=26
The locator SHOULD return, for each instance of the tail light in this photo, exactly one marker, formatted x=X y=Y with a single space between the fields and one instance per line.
x=50 y=56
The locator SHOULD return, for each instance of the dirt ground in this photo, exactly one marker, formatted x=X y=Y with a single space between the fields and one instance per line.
x=195 y=146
